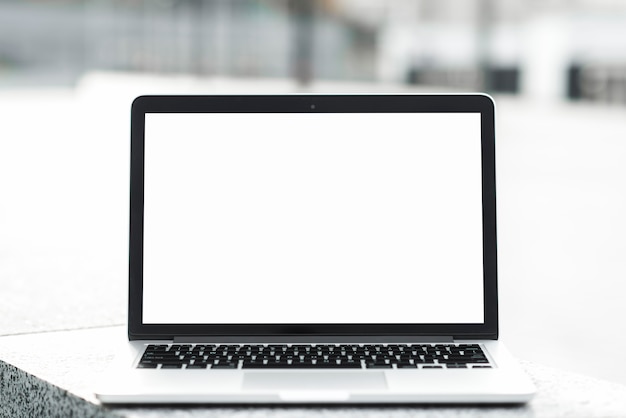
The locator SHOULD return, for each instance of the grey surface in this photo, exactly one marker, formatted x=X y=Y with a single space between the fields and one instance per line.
x=24 y=395
x=58 y=292
x=63 y=215
x=67 y=365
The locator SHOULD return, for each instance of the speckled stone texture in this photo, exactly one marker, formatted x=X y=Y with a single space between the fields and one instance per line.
x=24 y=395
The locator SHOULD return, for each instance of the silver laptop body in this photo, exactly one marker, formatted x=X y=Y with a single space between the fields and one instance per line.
x=313 y=248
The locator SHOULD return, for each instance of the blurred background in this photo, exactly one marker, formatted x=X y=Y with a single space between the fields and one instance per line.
x=557 y=49
x=69 y=70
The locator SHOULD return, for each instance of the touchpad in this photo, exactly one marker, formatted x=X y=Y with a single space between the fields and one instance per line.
x=326 y=381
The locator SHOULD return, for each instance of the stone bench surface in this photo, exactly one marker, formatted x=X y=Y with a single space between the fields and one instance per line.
x=53 y=374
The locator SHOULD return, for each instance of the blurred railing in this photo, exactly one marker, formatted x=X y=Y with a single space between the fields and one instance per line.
x=269 y=38
x=597 y=83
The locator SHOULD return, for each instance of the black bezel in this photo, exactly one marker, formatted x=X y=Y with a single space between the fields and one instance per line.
x=303 y=104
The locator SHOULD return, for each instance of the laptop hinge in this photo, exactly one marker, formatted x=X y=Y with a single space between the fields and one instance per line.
x=354 y=339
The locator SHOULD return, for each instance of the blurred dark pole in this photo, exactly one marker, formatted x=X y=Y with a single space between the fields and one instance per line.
x=484 y=17
x=574 y=82
x=302 y=12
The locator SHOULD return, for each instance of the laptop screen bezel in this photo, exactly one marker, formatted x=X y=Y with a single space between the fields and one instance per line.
x=444 y=103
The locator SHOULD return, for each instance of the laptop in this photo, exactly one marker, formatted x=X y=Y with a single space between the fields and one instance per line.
x=313 y=249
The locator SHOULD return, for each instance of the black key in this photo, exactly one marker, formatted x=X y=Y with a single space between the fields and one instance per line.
x=147 y=365
x=377 y=366
x=403 y=365
x=370 y=365
x=164 y=354
x=171 y=361
x=351 y=364
x=457 y=366
x=152 y=347
x=433 y=366
x=171 y=366
x=300 y=347
x=224 y=365
x=452 y=361
x=481 y=367
x=277 y=348
x=297 y=365
x=274 y=365
x=252 y=365
x=218 y=358
x=277 y=365
x=334 y=365
x=159 y=360
x=302 y=365
x=197 y=366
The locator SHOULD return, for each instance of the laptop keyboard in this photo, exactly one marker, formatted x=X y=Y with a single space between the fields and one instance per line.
x=318 y=356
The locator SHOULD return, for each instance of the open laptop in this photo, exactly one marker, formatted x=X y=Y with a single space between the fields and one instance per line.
x=313 y=248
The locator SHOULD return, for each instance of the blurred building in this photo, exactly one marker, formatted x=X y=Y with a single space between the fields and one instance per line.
x=56 y=41
x=554 y=50
x=545 y=50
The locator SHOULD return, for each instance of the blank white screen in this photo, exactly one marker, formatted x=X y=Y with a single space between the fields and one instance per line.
x=313 y=218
